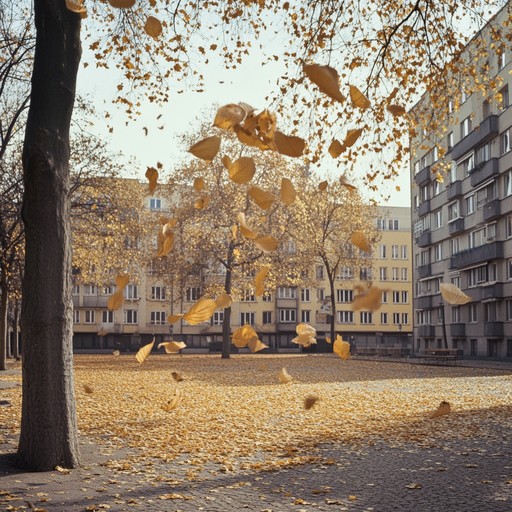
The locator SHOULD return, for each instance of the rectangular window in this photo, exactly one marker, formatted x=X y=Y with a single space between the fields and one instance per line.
x=403 y=252
x=508 y=305
x=465 y=127
x=89 y=316
x=466 y=166
x=384 y=298
x=344 y=295
x=305 y=316
x=247 y=318
x=483 y=153
x=508 y=183
x=130 y=316
x=394 y=252
x=365 y=274
x=320 y=294
x=395 y=273
x=438 y=252
x=453 y=211
x=320 y=272
x=76 y=316
x=456 y=314
x=108 y=290
x=503 y=98
x=267 y=297
x=157 y=318
x=417 y=167
x=436 y=188
x=305 y=295
x=454 y=245
x=107 y=317
x=450 y=140
x=157 y=293
x=267 y=317
x=438 y=219
x=192 y=294
x=396 y=297
x=131 y=292
x=396 y=318
x=470 y=204
x=382 y=251
x=424 y=317
x=287 y=316
x=405 y=318
x=286 y=292
x=345 y=317
x=477 y=275
x=384 y=318
x=394 y=224
x=346 y=273
x=247 y=296
x=218 y=318
x=366 y=317
x=477 y=238
x=383 y=273
x=491 y=311
x=405 y=297
x=90 y=289
x=76 y=290
x=509 y=269
x=473 y=316
x=155 y=204
x=404 y=273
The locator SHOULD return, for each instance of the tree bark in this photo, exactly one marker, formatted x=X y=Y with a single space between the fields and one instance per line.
x=330 y=276
x=16 y=331
x=226 y=323
x=4 y=332
x=48 y=425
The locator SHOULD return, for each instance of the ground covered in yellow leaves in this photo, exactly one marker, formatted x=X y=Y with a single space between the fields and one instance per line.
x=237 y=412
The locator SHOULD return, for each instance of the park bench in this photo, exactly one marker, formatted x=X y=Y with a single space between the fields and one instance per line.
x=439 y=354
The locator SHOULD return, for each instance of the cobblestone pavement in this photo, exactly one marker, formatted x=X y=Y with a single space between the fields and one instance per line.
x=467 y=476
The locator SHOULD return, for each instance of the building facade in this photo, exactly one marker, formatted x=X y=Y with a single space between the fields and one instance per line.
x=462 y=217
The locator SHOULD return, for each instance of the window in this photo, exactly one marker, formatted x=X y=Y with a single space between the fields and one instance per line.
x=466 y=166
x=394 y=225
x=508 y=183
x=465 y=127
x=286 y=292
x=90 y=289
x=483 y=153
x=218 y=318
x=477 y=275
x=455 y=314
x=395 y=273
x=477 y=238
x=396 y=297
x=450 y=106
x=405 y=297
x=76 y=316
x=155 y=204
x=305 y=316
x=107 y=317
x=394 y=252
x=365 y=274
x=131 y=292
x=346 y=273
x=345 y=317
x=247 y=296
x=491 y=312
x=424 y=193
x=383 y=273
x=344 y=295
x=320 y=272
x=382 y=249
x=509 y=269
x=89 y=316
x=267 y=317
x=287 y=316
x=470 y=204
x=384 y=318
x=506 y=141
x=267 y=297
x=76 y=290
x=381 y=224
x=320 y=294
x=108 y=290
x=130 y=316
x=192 y=294
x=503 y=98
x=384 y=299
x=404 y=272
x=157 y=318
x=454 y=245
x=450 y=140
x=501 y=57
x=425 y=257
x=403 y=252
x=290 y=246
x=436 y=188
x=438 y=219
x=416 y=167
x=486 y=194
x=366 y=317
x=453 y=172
x=508 y=305
x=157 y=293
x=247 y=318
x=396 y=318
x=424 y=317
x=405 y=318
x=438 y=252
x=473 y=315
x=305 y=295
x=453 y=211
x=463 y=96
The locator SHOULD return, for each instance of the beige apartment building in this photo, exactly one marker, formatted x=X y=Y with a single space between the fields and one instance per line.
x=274 y=316
x=462 y=228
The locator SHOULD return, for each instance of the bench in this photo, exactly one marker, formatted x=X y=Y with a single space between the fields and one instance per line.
x=439 y=354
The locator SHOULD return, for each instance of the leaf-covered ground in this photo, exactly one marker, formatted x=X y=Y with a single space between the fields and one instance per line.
x=237 y=413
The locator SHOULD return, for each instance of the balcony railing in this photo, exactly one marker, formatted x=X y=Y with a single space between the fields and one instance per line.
x=424 y=239
x=454 y=190
x=484 y=171
x=456 y=226
x=427 y=331
x=424 y=271
x=493 y=329
x=458 y=329
x=492 y=210
x=487 y=129
x=424 y=302
x=476 y=255
x=423 y=176
x=424 y=208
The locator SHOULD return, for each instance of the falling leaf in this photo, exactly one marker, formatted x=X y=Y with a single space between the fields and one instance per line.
x=226 y=161
x=174 y=402
x=370 y=299
x=305 y=340
x=453 y=295
x=396 y=110
x=206 y=149
x=358 y=238
x=259 y=287
x=242 y=336
x=309 y=401
x=174 y=318
x=288 y=193
x=144 y=352
x=122 y=280
x=172 y=347
x=176 y=376
x=327 y=80
x=116 y=300
x=322 y=185
x=261 y=197
x=284 y=376
x=201 y=311
x=242 y=170
x=122 y=4
x=351 y=138
x=223 y=301
x=244 y=228
x=201 y=203
x=88 y=389
x=266 y=244
x=443 y=409
x=199 y=184
x=153 y=27
x=248 y=138
x=165 y=243
x=77 y=6
x=228 y=116
x=344 y=182
x=336 y=148
x=358 y=98
x=256 y=345
x=304 y=328
x=341 y=347
x=328 y=340
x=168 y=226
x=116 y=353
x=289 y=145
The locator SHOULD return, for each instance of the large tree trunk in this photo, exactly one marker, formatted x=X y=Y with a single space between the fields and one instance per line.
x=330 y=276
x=16 y=331
x=4 y=334
x=48 y=424
x=226 y=322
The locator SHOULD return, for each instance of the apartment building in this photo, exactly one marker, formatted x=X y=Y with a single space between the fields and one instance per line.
x=462 y=227
x=274 y=316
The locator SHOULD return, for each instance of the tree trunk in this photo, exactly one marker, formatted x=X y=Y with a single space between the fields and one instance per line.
x=48 y=424
x=226 y=322
x=330 y=276
x=16 y=331
x=4 y=332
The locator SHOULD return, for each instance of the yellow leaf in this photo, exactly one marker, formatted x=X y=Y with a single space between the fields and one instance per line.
x=261 y=197
x=244 y=228
x=224 y=301
x=259 y=287
x=370 y=299
x=176 y=376
x=174 y=401
x=116 y=300
x=396 y=110
x=443 y=409
x=122 y=4
x=242 y=336
x=242 y=170
x=358 y=98
x=351 y=138
x=358 y=238
x=327 y=80
x=248 y=138
x=201 y=311
x=266 y=123
x=153 y=27
x=341 y=347
x=304 y=328
x=122 y=280
x=335 y=149
x=174 y=318
x=199 y=184
x=328 y=340
x=304 y=340
x=288 y=193
x=228 y=116
x=346 y=184
x=266 y=243
x=88 y=389
x=284 y=376
x=116 y=353
x=144 y=352
x=172 y=347
x=309 y=401
x=256 y=345
x=453 y=295
x=206 y=149
x=77 y=6
x=226 y=161
x=289 y=145
x=201 y=203
x=164 y=243
x=322 y=185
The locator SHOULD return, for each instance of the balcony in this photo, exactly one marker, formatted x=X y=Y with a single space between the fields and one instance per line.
x=424 y=176
x=424 y=302
x=487 y=129
x=424 y=271
x=492 y=291
x=424 y=239
x=493 y=329
x=484 y=171
x=424 y=208
x=458 y=330
x=477 y=255
x=454 y=190
x=457 y=226
x=426 y=331
x=95 y=301
x=492 y=210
